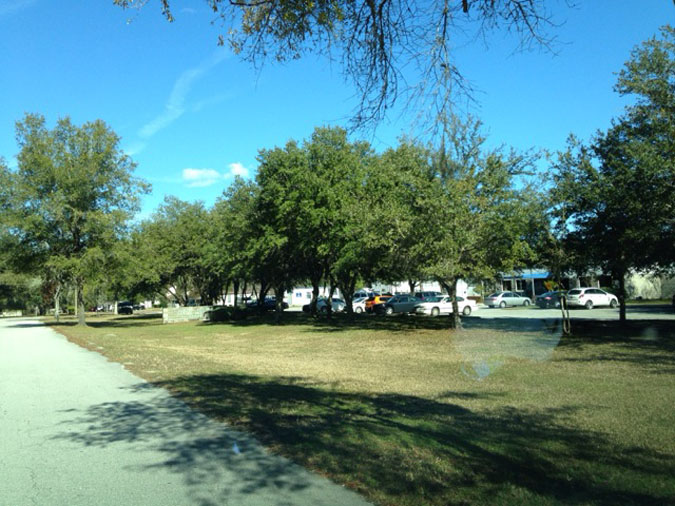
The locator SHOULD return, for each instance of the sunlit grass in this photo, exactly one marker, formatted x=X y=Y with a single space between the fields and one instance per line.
x=406 y=411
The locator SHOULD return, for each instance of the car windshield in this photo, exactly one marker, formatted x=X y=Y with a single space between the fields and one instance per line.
x=576 y=291
x=433 y=299
x=494 y=295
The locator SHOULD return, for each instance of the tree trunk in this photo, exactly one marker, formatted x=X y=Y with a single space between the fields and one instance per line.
x=411 y=285
x=226 y=289
x=79 y=304
x=235 y=288
x=455 y=320
x=316 y=283
x=262 y=293
x=279 y=292
x=622 y=296
x=347 y=287
x=329 y=302
x=57 y=303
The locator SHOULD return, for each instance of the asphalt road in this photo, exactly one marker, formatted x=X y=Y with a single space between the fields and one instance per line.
x=76 y=429
x=633 y=312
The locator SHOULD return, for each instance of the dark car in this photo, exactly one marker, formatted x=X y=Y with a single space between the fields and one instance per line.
x=269 y=304
x=425 y=296
x=376 y=300
x=398 y=304
x=125 y=308
x=550 y=299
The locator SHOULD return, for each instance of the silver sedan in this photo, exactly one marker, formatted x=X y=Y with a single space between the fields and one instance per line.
x=503 y=299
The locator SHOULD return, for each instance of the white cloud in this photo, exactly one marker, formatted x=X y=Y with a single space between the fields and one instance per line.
x=200 y=178
x=237 y=169
x=134 y=148
x=175 y=105
x=197 y=178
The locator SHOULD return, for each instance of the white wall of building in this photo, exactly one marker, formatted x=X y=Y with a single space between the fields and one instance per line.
x=463 y=288
x=303 y=295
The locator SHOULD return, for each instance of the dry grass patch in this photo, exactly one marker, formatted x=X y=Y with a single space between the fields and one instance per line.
x=409 y=412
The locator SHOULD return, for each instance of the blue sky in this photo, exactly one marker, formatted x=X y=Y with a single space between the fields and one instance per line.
x=192 y=115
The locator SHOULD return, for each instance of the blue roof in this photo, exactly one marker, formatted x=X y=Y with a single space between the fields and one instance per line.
x=529 y=275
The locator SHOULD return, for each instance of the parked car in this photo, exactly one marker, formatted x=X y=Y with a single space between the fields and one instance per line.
x=550 y=299
x=269 y=304
x=443 y=305
x=359 y=304
x=398 y=304
x=337 y=305
x=138 y=307
x=375 y=300
x=428 y=295
x=503 y=299
x=125 y=308
x=365 y=293
x=590 y=297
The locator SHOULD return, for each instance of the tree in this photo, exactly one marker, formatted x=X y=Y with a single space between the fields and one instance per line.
x=70 y=197
x=332 y=239
x=616 y=198
x=481 y=218
x=405 y=181
x=233 y=216
x=381 y=44
x=277 y=217
x=179 y=252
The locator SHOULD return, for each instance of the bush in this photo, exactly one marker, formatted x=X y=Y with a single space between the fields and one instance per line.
x=224 y=313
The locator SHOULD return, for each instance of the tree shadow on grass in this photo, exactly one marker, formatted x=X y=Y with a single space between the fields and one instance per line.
x=515 y=325
x=397 y=449
x=340 y=322
x=649 y=308
x=218 y=465
x=120 y=321
x=647 y=343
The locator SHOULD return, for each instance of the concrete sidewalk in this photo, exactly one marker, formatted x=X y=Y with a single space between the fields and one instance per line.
x=76 y=429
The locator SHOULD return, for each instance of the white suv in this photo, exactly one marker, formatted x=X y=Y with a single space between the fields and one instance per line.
x=590 y=297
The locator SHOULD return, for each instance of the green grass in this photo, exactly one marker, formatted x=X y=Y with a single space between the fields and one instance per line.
x=408 y=412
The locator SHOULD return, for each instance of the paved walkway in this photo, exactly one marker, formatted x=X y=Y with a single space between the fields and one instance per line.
x=76 y=429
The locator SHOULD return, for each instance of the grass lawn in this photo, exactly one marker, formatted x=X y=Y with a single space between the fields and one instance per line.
x=407 y=412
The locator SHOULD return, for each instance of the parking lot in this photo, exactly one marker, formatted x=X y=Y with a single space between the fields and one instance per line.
x=633 y=312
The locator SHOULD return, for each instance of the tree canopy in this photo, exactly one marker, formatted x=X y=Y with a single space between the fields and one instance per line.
x=70 y=197
x=381 y=45
x=615 y=198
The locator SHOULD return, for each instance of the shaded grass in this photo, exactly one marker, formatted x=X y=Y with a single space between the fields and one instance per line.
x=408 y=412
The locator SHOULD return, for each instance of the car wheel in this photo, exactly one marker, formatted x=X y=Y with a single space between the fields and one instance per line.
x=613 y=303
x=589 y=305
x=526 y=303
x=466 y=311
x=557 y=305
x=502 y=304
x=323 y=309
x=435 y=311
x=358 y=310
x=389 y=310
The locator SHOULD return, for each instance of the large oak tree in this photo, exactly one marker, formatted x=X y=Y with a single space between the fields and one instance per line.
x=69 y=198
x=615 y=198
